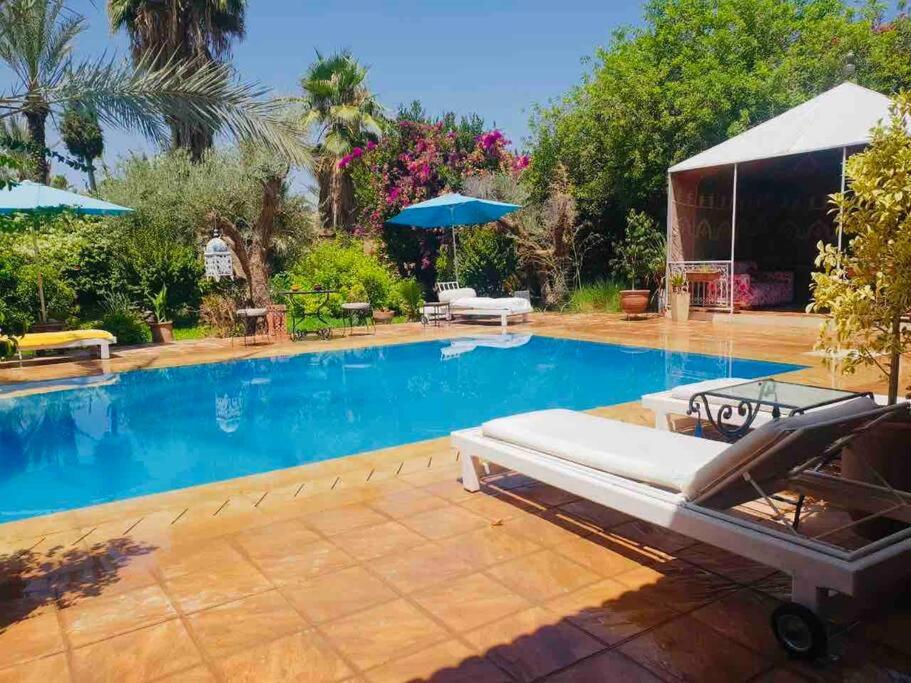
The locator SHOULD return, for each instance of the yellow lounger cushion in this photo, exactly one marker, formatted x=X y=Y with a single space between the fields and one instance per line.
x=43 y=340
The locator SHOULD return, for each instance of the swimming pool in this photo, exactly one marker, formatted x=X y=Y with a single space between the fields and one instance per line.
x=148 y=431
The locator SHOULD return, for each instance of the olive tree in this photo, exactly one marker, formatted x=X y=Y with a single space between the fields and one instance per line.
x=866 y=288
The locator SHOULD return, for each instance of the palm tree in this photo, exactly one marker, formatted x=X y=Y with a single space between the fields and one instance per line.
x=345 y=114
x=194 y=31
x=36 y=42
x=36 y=39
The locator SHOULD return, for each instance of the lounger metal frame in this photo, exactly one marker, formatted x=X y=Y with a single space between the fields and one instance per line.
x=815 y=565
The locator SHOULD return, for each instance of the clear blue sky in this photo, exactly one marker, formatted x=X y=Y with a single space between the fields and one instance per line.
x=496 y=57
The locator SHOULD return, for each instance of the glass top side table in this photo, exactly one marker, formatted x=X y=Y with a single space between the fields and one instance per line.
x=748 y=399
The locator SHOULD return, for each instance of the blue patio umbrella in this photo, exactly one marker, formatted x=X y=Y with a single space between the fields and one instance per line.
x=450 y=211
x=29 y=197
x=26 y=197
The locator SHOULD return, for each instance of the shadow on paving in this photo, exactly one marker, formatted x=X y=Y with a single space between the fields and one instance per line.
x=61 y=575
x=690 y=613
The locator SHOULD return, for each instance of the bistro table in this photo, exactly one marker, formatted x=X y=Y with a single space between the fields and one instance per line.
x=749 y=398
x=296 y=318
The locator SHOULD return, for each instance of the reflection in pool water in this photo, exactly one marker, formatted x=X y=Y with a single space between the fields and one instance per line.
x=156 y=430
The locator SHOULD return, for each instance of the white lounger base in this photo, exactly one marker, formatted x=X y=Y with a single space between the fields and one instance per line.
x=503 y=315
x=103 y=345
x=814 y=567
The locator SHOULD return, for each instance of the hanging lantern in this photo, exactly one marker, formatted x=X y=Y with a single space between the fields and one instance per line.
x=219 y=261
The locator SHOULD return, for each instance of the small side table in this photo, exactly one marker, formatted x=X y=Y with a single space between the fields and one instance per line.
x=251 y=318
x=357 y=313
x=436 y=313
x=748 y=398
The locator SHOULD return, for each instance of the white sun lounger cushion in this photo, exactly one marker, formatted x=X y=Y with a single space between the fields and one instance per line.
x=663 y=459
x=677 y=462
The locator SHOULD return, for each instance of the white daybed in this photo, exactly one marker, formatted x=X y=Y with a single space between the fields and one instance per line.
x=464 y=301
x=694 y=486
x=676 y=401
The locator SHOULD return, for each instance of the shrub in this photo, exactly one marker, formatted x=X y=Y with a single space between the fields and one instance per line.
x=121 y=319
x=59 y=296
x=487 y=260
x=341 y=264
x=411 y=298
x=218 y=312
x=603 y=295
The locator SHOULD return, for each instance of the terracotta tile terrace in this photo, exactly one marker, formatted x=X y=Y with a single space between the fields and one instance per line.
x=381 y=567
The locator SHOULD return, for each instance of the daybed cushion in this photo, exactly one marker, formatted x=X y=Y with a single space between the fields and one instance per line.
x=483 y=303
x=663 y=459
x=450 y=295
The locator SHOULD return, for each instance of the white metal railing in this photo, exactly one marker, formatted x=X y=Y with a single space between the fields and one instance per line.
x=705 y=291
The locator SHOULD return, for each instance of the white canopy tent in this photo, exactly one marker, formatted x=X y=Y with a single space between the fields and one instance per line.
x=703 y=194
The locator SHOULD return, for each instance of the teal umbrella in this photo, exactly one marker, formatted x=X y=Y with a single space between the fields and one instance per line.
x=29 y=197
x=452 y=210
x=37 y=200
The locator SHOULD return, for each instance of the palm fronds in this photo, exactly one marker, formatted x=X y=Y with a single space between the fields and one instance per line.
x=141 y=98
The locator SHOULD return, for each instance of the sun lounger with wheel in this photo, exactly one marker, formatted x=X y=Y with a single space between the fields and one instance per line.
x=465 y=302
x=705 y=489
x=70 y=339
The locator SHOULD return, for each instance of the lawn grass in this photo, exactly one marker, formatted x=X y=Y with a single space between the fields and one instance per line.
x=596 y=297
x=184 y=333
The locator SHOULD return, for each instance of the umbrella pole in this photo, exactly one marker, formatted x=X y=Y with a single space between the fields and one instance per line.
x=455 y=254
x=40 y=276
x=41 y=298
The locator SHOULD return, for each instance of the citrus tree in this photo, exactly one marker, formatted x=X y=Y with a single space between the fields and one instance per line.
x=866 y=289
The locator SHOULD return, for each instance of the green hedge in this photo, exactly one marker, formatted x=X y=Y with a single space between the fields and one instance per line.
x=341 y=264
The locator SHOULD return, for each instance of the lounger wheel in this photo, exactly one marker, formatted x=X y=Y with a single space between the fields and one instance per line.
x=324 y=333
x=799 y=631
x=425 y=320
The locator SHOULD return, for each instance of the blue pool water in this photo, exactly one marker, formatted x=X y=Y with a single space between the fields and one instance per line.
x=154 y=430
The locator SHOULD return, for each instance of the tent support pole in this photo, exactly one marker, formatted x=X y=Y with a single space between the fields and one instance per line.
x=844 y=160
x=733 y=237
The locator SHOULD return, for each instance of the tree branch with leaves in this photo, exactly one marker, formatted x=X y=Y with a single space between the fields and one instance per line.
x=865 y=290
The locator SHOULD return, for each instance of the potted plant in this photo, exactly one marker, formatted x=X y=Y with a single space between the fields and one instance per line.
x=865 y=290
x=640 y=257
x=679 y=298
x=162 y=328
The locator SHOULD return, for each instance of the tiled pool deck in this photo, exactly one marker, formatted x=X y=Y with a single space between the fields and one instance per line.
x=380 y=567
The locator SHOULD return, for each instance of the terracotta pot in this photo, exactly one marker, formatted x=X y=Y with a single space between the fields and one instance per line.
x=706 y=276
x=680 y=306
x=383 y=316
x=634 y=301
x=162 y=333
x=886 y=450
